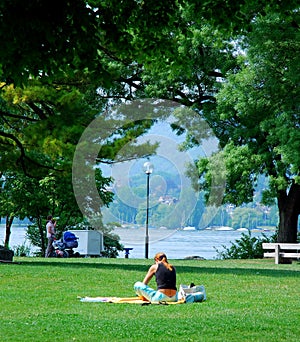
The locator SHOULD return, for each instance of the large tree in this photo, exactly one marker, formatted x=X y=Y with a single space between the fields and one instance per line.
x=257 y=120
x=40 y=128
x=178 y=50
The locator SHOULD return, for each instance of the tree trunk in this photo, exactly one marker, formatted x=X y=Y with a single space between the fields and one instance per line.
x=42 y=235
x=288 y=205
x=8 y=223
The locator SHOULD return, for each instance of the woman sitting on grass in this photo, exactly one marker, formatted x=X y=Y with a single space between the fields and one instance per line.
x=165 y=275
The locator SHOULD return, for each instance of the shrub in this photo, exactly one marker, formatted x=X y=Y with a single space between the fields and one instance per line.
x=21 y=250
x=247 y=247
x=112 y=246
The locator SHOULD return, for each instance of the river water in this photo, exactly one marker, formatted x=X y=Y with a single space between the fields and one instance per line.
x=180 y=244
x=176 y=244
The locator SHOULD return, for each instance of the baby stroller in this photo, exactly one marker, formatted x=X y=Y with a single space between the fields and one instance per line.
x=63 y=248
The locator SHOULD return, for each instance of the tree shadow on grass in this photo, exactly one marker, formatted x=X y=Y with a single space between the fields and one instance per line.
x=240 y=271
x=82 y=265
x=199 y=268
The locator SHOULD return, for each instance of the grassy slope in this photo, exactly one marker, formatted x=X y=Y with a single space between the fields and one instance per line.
x=253 y=300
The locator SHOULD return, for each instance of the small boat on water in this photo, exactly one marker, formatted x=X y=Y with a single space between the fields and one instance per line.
x=223 y=228
x=189 y=228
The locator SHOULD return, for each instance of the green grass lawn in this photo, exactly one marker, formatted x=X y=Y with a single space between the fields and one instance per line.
x=250 y=300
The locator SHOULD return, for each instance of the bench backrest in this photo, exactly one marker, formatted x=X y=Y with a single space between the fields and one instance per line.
x=284 y=246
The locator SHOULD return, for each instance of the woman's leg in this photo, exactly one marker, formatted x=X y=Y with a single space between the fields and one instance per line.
x=152 y=295
x=49 y=247
x=144 y=290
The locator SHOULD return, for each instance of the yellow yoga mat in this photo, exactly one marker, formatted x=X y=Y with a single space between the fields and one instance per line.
x=119 y=300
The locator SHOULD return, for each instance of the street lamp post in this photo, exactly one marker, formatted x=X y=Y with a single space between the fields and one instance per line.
x=148 y=169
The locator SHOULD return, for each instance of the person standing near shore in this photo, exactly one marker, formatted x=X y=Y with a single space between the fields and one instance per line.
x=165 y=275
x=50 y=228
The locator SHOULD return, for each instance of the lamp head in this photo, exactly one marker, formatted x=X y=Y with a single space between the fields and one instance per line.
x=148 y=168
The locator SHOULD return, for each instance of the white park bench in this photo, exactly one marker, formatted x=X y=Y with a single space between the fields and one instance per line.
x=282 y=252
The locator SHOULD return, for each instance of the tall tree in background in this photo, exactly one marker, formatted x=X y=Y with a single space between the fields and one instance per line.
x=257 y=120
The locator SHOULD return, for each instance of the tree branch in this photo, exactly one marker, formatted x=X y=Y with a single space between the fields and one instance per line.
x=23 y=157
x=14 y=116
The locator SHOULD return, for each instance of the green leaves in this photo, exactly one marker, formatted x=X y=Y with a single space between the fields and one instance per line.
x=247 y=247
x=43 y=38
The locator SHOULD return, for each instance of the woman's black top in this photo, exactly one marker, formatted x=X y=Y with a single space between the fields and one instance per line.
x=165 y=279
